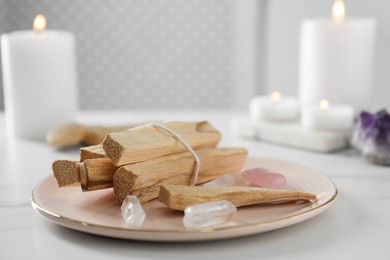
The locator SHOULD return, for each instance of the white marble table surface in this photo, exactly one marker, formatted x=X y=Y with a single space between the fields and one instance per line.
x=357 y=226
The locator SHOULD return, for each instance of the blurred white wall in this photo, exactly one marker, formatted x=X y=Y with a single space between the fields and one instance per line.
x=283 y=28
x=3 y=28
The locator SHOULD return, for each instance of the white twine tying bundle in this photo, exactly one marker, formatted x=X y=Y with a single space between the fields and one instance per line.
x=184 y=143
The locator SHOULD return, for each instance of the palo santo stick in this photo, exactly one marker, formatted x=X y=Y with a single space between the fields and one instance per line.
x=144 y=179
x=96 y=174
x=179 y=197
x=142 y=144
x=73 y=134
x=92 y=152
x=66 y=172
x=96 y=134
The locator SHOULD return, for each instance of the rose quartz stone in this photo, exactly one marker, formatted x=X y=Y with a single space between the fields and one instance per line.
x=264 y=178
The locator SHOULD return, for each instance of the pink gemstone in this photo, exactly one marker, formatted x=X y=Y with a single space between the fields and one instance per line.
x=264 y=178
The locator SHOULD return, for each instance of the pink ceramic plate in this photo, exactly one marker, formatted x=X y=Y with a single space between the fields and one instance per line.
x=98 y=212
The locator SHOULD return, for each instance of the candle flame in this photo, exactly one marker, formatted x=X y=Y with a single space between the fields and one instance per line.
x=276 y=96
x=338 y=10
x=39 y=23
x=324 y=104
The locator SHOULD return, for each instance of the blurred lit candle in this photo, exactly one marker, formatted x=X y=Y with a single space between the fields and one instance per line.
x=325 y=116
x=274 y=108
x=336 y=59
x=40 y=80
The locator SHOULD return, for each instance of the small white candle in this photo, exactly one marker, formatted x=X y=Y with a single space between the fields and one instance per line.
x=337 y=55
x=39 y=74
x=274 y=108
x=325 y=116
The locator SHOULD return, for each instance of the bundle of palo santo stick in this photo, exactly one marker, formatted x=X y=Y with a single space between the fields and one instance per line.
x=139 y=161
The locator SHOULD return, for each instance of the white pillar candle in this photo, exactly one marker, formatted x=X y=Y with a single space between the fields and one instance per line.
x=328 y=117
x=274 y=108
x=336 y=60
x=39 y=75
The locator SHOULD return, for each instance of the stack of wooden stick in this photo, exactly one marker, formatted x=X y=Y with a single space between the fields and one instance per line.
x=138 y=161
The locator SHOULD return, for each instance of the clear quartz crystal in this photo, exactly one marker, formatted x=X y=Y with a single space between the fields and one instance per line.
x=224 y=180
x=208 y=214
x=132 y=212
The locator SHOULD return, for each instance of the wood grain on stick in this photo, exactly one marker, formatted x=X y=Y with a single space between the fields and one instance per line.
x=144 y=179
x=146 y=143
x=92 y=152
x=96 y=174
x=66 y=172
x=179 y=197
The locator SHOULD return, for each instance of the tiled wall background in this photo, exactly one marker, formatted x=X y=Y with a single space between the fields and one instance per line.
x=152 y=54
x=190 y=53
